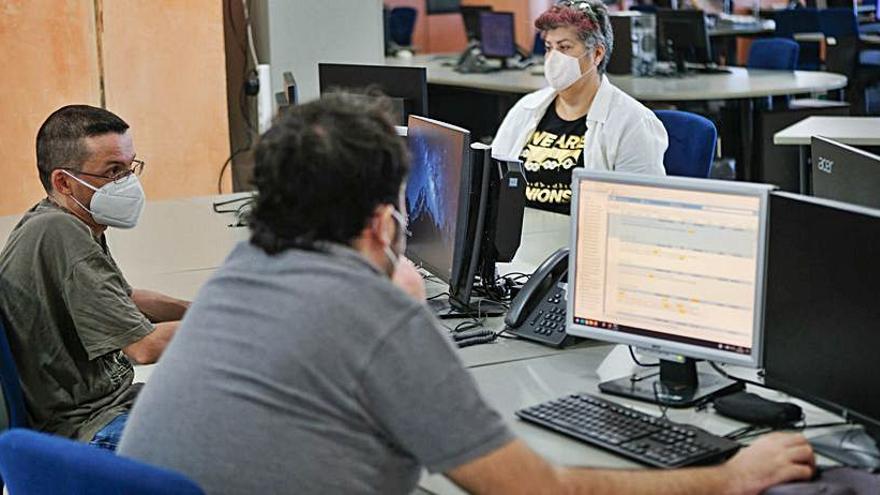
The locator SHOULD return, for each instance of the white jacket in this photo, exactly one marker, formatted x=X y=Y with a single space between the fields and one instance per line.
x=622 y=134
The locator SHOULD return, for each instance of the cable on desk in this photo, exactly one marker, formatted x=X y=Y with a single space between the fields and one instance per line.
x=735 y=378
x=632 y=354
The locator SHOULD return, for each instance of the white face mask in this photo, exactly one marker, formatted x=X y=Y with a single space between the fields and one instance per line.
x=563 y=70
x=400 y=237
x=116 y=204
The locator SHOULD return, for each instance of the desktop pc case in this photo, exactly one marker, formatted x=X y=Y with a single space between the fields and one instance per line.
x=635 y=44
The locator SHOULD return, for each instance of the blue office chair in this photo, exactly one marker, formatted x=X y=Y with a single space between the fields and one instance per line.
x=792 y=21
x=691 y=143
x=846 y=54
x=10 y=387
x=774 y=54
x=402 y=23
x=35 y=463
x=10 y=384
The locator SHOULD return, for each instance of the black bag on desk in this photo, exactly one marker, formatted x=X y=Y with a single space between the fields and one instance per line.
x=756 y=410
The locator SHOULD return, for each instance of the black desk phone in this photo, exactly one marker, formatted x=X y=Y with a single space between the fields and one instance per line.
x=538 y=311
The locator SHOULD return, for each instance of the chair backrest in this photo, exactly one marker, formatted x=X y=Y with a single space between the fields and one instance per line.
x=839 y=23
x=773 y=53
x=34 y=463
x=691 y=143
x=10 y=383
x=402 y=23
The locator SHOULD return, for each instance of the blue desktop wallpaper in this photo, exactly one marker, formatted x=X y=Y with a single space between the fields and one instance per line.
x=432 y=195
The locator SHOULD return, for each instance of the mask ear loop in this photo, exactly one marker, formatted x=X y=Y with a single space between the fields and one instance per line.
x=93 y=188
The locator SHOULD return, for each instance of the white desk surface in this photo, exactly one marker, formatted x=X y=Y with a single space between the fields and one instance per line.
x=515 y=385
x=760 y=26
x=740 y=83
x=855 y=131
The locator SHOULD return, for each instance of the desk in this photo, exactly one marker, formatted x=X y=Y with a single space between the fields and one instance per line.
x=854 y=131
x=512 y=386
x=479 y=101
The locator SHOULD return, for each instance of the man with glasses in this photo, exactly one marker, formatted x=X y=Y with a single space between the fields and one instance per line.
x=73 y=322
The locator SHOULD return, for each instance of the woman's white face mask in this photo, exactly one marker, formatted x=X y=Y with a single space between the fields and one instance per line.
x=115 y=204
x=563 y=70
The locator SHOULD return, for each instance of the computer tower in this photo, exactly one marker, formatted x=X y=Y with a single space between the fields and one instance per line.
x=635 y=43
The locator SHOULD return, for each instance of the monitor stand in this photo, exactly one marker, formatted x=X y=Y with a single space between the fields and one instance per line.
x=853 y=447
x=677 y=385
x=444 y=309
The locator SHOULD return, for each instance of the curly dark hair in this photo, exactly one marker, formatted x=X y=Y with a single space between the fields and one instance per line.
x=322 y=169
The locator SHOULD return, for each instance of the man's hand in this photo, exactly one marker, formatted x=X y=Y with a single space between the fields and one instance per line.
x=407 y=277
x=773 y=459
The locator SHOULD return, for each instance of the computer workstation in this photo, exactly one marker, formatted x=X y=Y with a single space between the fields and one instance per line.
x=405 y=87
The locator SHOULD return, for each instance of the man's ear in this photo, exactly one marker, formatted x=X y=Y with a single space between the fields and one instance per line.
x=60 y=182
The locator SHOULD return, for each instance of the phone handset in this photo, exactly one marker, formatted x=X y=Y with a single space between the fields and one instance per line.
x=545 y=278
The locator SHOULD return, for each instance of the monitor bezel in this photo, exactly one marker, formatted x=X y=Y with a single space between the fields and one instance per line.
x=462 y=213
x=848 y=151
x=654 y=344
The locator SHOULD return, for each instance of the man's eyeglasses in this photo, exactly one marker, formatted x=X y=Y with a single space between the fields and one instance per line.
x=137 y=167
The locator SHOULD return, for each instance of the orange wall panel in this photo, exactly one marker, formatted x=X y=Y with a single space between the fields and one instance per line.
x=47 y=48
x=165 y=74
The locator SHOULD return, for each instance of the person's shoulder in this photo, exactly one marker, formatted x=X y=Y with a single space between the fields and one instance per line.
x=624 y=105
x=536 y=99
x=47 y=222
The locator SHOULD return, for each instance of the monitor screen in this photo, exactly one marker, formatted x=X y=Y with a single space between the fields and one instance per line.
x=406 y=86
x=470 y=15
x=845 y=173
x=497 y=34
x=670 y=264
x=439 y=154
x=822 y=308
x=682 y=36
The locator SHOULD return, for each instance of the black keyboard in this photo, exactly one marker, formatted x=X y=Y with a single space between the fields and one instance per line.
x=638 y=436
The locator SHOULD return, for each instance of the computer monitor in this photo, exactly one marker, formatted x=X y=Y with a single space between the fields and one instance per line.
x=821 y=335
x=671 y=265
x=470 y=15
x=497 y=38
x=442 y=6
x=844 y=173
x=407 y=87
x=683 y=36
x=453 y=196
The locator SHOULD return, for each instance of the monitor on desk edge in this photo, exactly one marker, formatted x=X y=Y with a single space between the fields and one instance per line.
x=406 y=87
x=821 y=319
x=672 y=265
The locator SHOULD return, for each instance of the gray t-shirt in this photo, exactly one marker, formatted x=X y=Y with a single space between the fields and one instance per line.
x=68 y=311
x=309 y=372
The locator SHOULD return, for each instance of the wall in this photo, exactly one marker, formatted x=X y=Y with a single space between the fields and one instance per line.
x=161 y=68
x=50 y=59
x=294 y=35
x=165 y=74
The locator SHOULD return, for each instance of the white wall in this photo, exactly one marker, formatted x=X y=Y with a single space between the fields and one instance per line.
x=294 y=35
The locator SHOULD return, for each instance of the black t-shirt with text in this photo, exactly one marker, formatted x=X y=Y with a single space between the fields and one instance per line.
x=552 y=151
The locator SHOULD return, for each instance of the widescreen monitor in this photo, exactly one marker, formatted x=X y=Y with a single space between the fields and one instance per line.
x=821 y=326
x=672 y=265
x=845 y=173
x=407 y=87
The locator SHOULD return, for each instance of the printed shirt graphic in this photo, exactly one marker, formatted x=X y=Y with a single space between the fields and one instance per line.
x=552 y=151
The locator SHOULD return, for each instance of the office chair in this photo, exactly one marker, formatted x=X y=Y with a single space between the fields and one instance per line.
x=846 y=55
x=10 y=384
x=10 y=388
x=773 y=54
x=691 y=143
x=35 y=463
x=792 y=21
x=402 y=23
